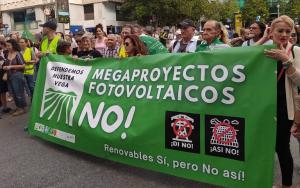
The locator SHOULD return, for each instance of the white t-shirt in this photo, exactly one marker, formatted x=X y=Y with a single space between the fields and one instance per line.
x=269 y=42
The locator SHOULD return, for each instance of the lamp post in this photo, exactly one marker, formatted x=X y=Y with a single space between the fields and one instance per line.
x=278 y=6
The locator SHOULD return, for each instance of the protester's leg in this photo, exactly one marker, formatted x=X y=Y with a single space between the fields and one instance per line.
x=3 y=100
x=30 y=83
x=17 y=86
x=283 y=148
x=26 y=86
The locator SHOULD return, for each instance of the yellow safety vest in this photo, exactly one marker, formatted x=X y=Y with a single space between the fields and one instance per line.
x=51 y=48
x=29 y=68
x=122 y=52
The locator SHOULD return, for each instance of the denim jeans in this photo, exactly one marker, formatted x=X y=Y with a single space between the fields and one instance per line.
x=30 y=83
x=17 y=83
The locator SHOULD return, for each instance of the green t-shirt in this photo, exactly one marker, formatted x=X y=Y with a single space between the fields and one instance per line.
x=153 y=45
x=205 y=47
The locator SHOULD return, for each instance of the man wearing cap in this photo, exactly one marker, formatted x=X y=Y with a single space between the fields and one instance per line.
x=187 y=43
x=50 y=40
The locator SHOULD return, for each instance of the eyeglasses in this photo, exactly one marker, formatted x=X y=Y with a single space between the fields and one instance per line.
x=294 y=35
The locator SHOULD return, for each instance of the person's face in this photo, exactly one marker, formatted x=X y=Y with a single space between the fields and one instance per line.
x=14 y=36
x=45 y=30
x=68 y=38
x=210 y=32
x=281 y=33
x=69 y=50
x=111 y=42
x=59 y=34
x=254 y=30
x=187 y=32
x=86 y=43
x=78 y=40
x=99 y=32
x=137 y=31
x=246 y=33
x=294 y=36
x=22 y=43
x=129 y=47
x=178 y=36
x=125 y=31
x=9 y=47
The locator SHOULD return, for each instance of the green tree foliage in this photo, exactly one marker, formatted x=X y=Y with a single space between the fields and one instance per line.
x=293 y=9
x=170 y=12
x=160 y=12
x=254 y=8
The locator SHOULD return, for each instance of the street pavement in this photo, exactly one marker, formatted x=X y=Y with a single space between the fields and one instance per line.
x=27 y=161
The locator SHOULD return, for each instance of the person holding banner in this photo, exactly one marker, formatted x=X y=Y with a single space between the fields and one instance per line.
x=134 y=46
x=127 y=29
x=87 y=51
x=187 y=43
x=50 y=40
x=288 y=78
x=214 y=36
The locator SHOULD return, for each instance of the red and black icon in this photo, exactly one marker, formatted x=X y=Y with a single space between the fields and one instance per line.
x=225 y=136
x=182 y=131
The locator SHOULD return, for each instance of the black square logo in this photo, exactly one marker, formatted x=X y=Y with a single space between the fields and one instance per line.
x=225 y=136
x=182 y=131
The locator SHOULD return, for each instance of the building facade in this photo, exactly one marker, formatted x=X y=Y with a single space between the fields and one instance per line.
x=83 y=14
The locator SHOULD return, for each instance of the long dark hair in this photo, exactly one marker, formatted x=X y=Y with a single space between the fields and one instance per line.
x=139 y=46
x=101 y=27
x=15 y=45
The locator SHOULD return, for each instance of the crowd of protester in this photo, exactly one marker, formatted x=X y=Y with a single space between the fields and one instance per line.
x=20 y=58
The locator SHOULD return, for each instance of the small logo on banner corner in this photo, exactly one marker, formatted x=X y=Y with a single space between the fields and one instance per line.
x=182 y=131
x=225 y=137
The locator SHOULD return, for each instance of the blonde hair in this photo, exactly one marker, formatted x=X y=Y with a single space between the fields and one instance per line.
x=284 y=18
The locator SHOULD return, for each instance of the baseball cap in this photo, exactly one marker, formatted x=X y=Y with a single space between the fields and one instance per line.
x=186 y=23
x=50 y=24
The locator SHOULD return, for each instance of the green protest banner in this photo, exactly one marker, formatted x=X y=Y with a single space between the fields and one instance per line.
x=207 y=116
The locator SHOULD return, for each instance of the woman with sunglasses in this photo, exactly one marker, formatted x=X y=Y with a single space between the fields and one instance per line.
x=256 y=32
x=288 y=78
x=134 y=46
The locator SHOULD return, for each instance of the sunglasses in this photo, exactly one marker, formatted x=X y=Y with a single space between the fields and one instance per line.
x=294 y=35
x=127 y=43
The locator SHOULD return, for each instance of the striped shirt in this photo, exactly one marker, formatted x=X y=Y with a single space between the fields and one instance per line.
x=111 y=52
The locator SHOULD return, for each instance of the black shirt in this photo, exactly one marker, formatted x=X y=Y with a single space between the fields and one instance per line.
x=91 y=53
